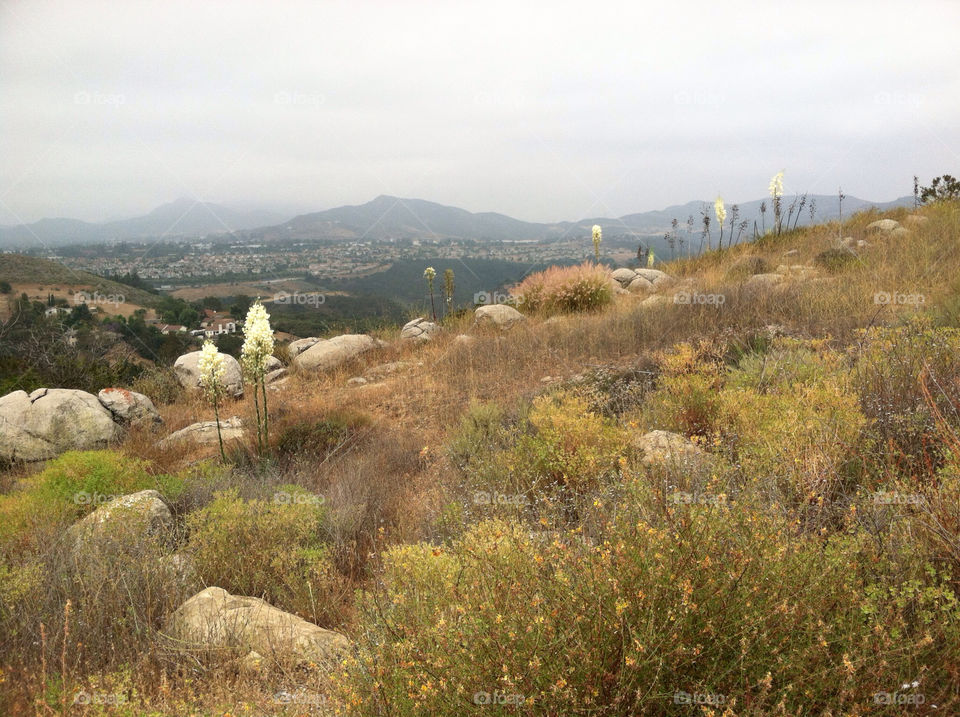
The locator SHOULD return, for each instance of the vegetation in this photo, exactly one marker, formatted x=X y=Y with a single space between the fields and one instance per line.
x=487 y=524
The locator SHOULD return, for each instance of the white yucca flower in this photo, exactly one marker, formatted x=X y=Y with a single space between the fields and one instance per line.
x=429 y=273
x=597 y=233
x=211 y=369
x=776 y=185
x=257 y=342
x=720 y=210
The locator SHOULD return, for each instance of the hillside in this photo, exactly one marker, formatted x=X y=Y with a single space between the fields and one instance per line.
x=737 y=488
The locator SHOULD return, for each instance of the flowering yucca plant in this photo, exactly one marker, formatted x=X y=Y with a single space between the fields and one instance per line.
x=429 y=273
x=597 y=237
x=256 y=351
x=776 y=194
x=212 y=369
x=565 y=288
x=721 y=212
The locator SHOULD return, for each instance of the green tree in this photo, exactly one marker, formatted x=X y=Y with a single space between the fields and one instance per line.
x=942 y=188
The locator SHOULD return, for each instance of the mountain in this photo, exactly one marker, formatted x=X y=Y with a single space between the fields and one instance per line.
x=184 y=217
x=389 y=217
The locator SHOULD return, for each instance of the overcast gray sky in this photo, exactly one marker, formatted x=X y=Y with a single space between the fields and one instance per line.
x=544 y=111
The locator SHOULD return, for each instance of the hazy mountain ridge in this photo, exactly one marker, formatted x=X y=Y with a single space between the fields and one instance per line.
x=388 y=217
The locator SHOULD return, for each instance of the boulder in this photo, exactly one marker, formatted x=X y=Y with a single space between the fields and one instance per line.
x=657 y=301
x=641 y=284
x=326 y=355
x=188 y=372
x=276 y=375
x=50 y=421
x=883 y=225
x=624 y=276
x=899 y=233
x=300 y=345
x=419 y=330
x=213 y=619
x=129 y=407
x=672 y=450
x=656 y=277
x=385 y=369
x=124 y=524
x=204 y=433
x=500 y=316
x=273 y=364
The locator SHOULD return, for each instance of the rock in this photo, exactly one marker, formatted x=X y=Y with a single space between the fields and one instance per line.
x=300 y=345
x=275 y=375
x=180 y=574
x=188 y=372
x=273 y=364
x=620 y=291
x=50 y=421
x=501 y=316
x=464 y=340
x=883 y=225
x=419 y=330
x=641 y=284
x=356 y=381
x=863 y=244
x=848 y=242
x=326 y=355
x=129 y=407
x=899 y=233
x=658 y=278
x=916 y=219
x=666 y=449
x=213 y=619
x=624 y=276
x=760 y=281
x=251 y=664
x=204 y=433
x=124 y=524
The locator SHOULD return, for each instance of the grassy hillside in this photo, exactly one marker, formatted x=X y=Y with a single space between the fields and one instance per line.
x=496 y=527
x=20 y=270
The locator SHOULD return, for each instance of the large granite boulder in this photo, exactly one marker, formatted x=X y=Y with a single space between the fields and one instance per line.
x=123 y=525
x=213 y=619
x=884 y=226
x=500 y=316
x=328 y=354
x=188 y=372
x=623 y=276
x=671 y=450
x=419 y=330
x=129 y=407
x=50 y=421
x=204 y=433
x=295 y=348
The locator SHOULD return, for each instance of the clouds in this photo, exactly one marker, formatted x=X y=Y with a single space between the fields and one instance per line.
x=540 y=110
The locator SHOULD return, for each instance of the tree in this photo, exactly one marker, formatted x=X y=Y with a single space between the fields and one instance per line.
x=941 y=189
x=5 y=287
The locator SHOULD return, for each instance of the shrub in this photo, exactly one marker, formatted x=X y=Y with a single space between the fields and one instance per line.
x=834 y=260
x=160 y=383
x=748 y=266
x=284 y=557
x=563 y=289
x=315 y=439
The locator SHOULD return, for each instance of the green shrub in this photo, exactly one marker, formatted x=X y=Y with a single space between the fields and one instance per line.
x=564 y=289
x=160 y=384
x=271 y=548
x=315 y=439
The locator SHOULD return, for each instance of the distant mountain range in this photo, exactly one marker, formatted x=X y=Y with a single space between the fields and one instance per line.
x=181 y=218
x=395 y=218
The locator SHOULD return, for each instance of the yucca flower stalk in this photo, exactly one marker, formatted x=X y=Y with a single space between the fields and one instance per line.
x=776 y=194
x=429 y=274
x=721 y=212
x=597 y=238
x=257 y=349
x=448 y=288
x=212 y=369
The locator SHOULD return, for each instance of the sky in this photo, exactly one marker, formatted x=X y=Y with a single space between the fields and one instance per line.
x=545 y=111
